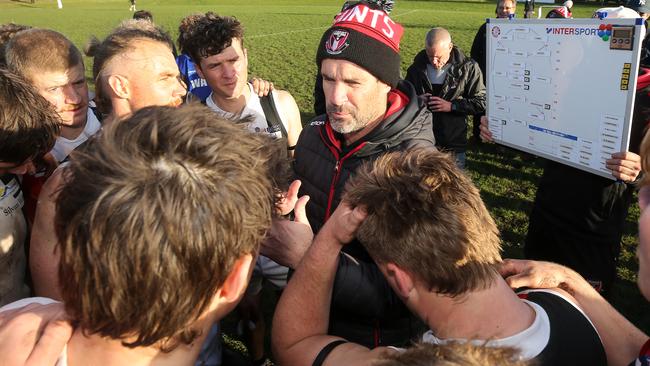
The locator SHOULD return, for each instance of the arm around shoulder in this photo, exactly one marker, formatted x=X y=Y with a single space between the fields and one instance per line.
x=43 y=251
x=621 y=339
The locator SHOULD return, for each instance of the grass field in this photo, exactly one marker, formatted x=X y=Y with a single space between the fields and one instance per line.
x=281 y=38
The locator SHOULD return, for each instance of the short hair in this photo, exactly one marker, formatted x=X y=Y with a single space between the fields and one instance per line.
x=203 y=35
x=37 y=50
x=152 y=217
x=118 y=42
x=8 y=31
x=435 y=35
x=426 y=216
x=454 y=354
x=29 y=125
x=144 y=15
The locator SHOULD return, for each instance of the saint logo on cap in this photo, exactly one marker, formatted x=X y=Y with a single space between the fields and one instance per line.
x=337 y=42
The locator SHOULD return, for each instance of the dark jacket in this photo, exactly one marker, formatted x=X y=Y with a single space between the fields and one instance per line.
x=463 y=87
x=478 y=51
x=364 y=308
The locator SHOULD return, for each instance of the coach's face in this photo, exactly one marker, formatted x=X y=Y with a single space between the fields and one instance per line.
x=227 y=72
x=154 y=78
x=354 y=97
x=67 y=91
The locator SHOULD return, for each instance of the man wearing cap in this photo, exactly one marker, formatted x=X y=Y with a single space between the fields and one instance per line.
x=370 y=111
x=452 y=85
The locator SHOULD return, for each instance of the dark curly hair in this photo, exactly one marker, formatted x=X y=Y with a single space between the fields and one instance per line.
x=203 y=35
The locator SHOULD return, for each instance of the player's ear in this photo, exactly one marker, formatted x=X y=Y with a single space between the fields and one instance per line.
x=199 y=71
x=237 y=280
x=401 y=280
x=119 y=85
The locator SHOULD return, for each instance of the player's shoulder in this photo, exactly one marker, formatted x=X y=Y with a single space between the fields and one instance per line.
x=285 y=99
x=283 y=95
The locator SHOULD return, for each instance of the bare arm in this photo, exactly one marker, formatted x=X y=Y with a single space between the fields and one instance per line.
x=621 y=339
x=302 y=315
x=43 y=251
x=291 y=115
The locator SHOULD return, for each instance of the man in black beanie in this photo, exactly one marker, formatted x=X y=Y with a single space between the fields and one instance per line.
x=370 y=111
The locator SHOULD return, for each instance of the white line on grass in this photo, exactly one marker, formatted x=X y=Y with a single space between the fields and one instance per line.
x=287 y=32
x=314 y=28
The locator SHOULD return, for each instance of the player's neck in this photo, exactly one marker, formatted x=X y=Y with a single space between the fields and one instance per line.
x=232 y=105
x=72 y=133
x=493 y=313
x=83 y=350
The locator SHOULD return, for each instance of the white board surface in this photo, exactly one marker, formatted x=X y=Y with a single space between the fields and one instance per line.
x=563 y=88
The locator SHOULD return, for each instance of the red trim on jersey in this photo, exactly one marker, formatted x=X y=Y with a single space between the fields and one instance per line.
x=645 y=350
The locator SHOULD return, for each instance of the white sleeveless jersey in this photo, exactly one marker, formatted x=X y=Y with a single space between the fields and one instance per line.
x=63 y=147
x=253 y=111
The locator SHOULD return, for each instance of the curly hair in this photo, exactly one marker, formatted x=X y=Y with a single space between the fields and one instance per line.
x=153 y=216
x=29 y=125
x=204 y=35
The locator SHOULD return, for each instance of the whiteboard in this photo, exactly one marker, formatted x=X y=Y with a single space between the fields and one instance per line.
x=563 y=89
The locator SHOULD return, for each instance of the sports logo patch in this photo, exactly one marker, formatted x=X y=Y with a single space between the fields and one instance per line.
x=337 y=42
x=496 y=31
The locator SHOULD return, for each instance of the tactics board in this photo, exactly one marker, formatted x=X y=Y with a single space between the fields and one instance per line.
x=563 y=88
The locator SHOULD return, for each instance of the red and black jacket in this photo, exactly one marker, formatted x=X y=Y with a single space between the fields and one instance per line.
x=364 y=308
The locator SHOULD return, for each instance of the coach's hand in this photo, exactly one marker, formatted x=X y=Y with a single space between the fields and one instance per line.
x=287 y=200
x=287 y=241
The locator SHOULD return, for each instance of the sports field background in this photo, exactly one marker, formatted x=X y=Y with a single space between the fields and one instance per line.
x=281 y=37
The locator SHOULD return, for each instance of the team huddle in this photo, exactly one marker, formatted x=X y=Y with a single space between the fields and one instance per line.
x=171 y=195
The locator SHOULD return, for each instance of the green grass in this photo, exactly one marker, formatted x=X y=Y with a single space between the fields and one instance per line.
x=281 y=38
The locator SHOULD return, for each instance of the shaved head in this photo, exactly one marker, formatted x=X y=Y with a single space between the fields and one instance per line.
x=438 y=47
x=437 y=35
